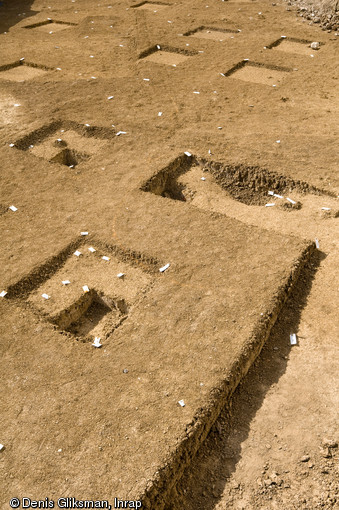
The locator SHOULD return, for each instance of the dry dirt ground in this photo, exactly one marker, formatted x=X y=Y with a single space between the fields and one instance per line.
x=99 y=102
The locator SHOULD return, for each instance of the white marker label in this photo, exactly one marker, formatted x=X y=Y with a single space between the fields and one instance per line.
x=162 y=269
x=293 y=339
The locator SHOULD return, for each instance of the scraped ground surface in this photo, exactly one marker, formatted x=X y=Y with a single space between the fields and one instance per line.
x=100 y=423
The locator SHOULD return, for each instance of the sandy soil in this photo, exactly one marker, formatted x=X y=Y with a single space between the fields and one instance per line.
x=98 y=103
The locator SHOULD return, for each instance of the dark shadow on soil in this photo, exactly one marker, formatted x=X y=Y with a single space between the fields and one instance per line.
x=11 y=13
x=203 y=483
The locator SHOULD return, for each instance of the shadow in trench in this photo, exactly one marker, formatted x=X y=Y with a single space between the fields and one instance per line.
x=203 y=482
x=11 y=13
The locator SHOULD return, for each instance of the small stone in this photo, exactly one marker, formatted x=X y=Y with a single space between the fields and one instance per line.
x=315 y=45
x=268 y=482
x=326 y=453
x=305 y=458
x=329 y=443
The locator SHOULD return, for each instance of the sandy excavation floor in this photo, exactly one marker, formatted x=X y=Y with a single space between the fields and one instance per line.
x=203 y=135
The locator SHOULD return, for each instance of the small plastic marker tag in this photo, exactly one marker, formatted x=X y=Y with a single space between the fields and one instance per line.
x=203 y=178
x=271 y=193
x=85 y=288
x=293 y=339
x=45 y=296
x=158 y=46
x=188 y=154
x=3 y=293
x=91 y=249
x=159 y=114
x=77 y=253
x=105 y=258
x=146 y=79
x=110 y=97
x=120 y=275
x=277 y=196
x=317 y=244
x=325 y=208
x=182 y=403
x=13 y=208
x=196 y=92
x=290 y=200
x=84 y=233
x=162 y=269
x=121 y=133
x=96 y=342
x=65 y=282
x=269 y=205
x=11 y=144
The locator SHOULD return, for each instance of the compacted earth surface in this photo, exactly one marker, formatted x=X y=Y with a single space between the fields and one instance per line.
x=169 y=255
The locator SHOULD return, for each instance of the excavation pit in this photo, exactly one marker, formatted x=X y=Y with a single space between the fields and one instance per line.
x=83 y=295
x=183 y=179
x=211 y=33
x=293 y=45
x=150 y=6
x=165 y=55
x=93 y=315
x=21 y=71
x=69 y=157
x=255 y=72
x=66 y=143
x=50 y=25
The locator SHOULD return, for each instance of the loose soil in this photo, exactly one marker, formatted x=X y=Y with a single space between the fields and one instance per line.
x=94 y=133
